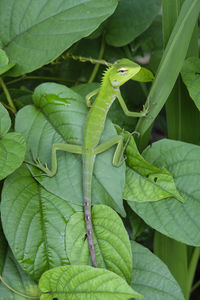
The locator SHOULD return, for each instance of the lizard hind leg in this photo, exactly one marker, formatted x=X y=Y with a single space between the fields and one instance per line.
x=54 y=165
x=38 y=164
x=44 y=168
x=118 y=157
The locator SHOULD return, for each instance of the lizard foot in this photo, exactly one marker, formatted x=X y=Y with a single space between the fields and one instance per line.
x=145 y=109
x=37 y=163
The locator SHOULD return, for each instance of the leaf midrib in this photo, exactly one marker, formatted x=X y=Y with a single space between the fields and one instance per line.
x=42 y=21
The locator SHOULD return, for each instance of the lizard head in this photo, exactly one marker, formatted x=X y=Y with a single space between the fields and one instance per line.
x=123 y=70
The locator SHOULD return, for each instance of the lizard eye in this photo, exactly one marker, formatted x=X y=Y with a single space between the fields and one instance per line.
x=122 y=71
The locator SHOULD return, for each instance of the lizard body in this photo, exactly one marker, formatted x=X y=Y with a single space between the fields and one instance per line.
x=114 y=77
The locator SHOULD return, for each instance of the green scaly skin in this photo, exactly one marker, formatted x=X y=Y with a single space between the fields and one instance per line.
x=92 y=132
x=114 y=77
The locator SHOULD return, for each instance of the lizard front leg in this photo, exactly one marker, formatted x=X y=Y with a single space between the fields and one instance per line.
x=90 y=95
x=129 y=113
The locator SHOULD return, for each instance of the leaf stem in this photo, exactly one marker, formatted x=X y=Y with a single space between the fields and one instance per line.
x=16 y=292
x=7 y=94
x=96 y=67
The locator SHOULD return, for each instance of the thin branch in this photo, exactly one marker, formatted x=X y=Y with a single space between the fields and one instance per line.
x=87 y=59
x=8 y=97
x=96 y=67
x=195 y=286
x=25 y=77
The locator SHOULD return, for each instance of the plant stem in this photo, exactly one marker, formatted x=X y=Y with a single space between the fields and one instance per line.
x=7 y=94
x=16 y=292
x=88 y=59
x=196 y=285
x=24 y=77
x=192 y=268
x=96 y=67
x=144 y=88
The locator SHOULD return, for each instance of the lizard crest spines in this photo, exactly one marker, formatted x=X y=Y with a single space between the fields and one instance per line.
x=105 y=75
x=120 y=72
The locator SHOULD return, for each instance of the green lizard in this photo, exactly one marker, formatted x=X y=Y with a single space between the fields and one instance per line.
x=114 y=77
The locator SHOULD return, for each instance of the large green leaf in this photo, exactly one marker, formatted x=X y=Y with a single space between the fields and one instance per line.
x=135 y=223
x=190 y=74
x=3 y=58
x=34 y=222
x=5 y=65
x=84 y=282
x=35 y=33
x=5 y=121
x=112 y=245
x=144 y=75
x=172 y=218
x=151 y=276
x=3 y=249
x=12 y=146
x=131 y=18
x=151 y=40
x=59 y=116
x=144 y=181
x=177 y=256
x=18 y=280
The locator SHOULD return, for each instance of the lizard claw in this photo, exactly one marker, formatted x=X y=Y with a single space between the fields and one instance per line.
x=44 y=168
x=145 y=110
x=135 y=132
x=37 y=163
x=41 y=174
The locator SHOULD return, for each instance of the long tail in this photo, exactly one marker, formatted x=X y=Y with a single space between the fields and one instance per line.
x=88 y=166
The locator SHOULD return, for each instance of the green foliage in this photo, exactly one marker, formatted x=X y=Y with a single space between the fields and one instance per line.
x=44 y=250
x=46 y=29
x=4 y=62
x=144 y=75
x=12 y=146
x=130 y=19
x=152 y=277
x=5 y=121
x=34 y=223
x=171 y=62
x=14 y=276
x=74 y=282
x=111 y=240
x=3 y=249
x=169 y=216
x=59 y=116
x=190 y=74
x=146 y=182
